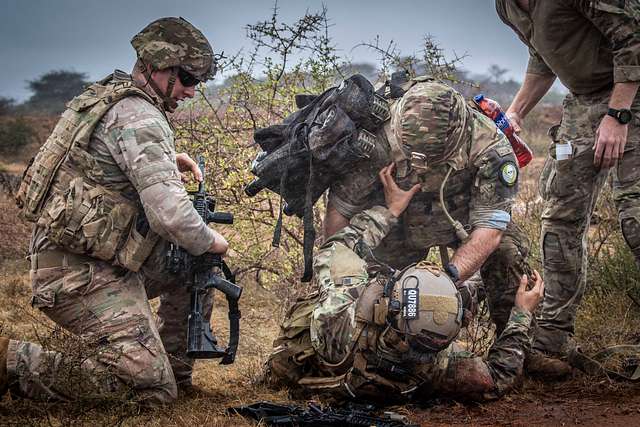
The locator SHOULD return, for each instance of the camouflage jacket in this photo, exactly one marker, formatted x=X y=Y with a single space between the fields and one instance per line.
x=340 y=275
x=480 y=192
x=132 y=151
x=589 y=45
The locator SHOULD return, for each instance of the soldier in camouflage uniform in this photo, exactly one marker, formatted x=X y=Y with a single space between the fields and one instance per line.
x=360 y=336
x=106 y=195
x=593 y=47
x=468 y=176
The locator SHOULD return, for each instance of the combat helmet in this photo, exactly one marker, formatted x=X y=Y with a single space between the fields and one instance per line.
x=431 y=118
x=426 y=308
x=174 y=43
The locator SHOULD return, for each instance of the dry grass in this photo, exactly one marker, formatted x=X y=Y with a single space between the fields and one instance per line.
x=607 y=317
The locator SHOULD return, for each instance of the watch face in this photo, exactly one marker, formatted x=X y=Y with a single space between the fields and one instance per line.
x=625 y=116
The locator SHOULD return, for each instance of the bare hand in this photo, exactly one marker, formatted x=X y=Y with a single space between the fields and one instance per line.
x=611 y=138
x=220 y=244
x=395 y=198
x=515 y=120
x=187 y=164
x=529 y=299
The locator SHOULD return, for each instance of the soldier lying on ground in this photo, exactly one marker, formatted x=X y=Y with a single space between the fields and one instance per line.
x=106 y=194
x=371 y=332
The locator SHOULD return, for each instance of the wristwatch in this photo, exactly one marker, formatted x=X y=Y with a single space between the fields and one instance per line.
x=452 y=272
x=623 y=116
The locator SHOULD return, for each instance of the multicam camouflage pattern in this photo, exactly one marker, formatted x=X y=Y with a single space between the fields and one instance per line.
x=132 y=153
x=174 y=42
x=123 y=351
x=570 y=189
x=349 y=357
x=431 y=118
x=340 y=283
x=474 y=193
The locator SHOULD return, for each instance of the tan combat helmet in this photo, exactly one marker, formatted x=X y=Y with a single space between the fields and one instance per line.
x=431 y=119
x=430 y=309
x=174 y=43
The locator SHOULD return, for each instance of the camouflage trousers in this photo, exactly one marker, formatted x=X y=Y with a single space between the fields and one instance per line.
x=500 y=273
x=317 y=351
x=119 y=346
x=570 y=189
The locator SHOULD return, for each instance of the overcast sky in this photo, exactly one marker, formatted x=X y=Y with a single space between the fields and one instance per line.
x=92 y=36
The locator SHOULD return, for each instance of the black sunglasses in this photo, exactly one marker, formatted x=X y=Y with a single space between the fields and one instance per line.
x=186 y=78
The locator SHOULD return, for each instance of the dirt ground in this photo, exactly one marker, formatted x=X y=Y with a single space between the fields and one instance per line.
x=576 y=401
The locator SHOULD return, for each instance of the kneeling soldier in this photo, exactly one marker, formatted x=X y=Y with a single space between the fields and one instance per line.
x=371 y=332
x=106 y=195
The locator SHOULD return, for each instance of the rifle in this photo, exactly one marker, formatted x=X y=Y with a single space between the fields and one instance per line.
x=200 y=274
x=315 y=416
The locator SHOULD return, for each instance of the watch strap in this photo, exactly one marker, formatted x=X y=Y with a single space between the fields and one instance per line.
x=623 y=116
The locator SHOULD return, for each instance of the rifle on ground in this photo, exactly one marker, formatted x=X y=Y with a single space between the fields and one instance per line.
x=316 y=416
x=202 y=273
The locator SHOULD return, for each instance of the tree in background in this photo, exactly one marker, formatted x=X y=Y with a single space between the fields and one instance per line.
x=286 y=59
x=53 y=90
x=6 y=105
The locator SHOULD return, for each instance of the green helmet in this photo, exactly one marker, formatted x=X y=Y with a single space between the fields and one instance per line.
x=431 y=118
x=174 y=42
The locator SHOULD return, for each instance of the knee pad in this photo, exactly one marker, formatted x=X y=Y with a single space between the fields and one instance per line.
x=552 y=248
x=631 y=232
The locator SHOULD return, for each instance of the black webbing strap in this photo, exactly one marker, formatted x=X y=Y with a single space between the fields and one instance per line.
x=309 y=230
x=277 y=231
x=234 y=320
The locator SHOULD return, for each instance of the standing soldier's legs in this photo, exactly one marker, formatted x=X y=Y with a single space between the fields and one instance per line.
x=119 y=348
x=173 y=312
x=501 y=274
x=626 y=185
x=570 y=189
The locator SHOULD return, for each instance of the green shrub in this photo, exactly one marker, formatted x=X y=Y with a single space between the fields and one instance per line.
x=15 y=134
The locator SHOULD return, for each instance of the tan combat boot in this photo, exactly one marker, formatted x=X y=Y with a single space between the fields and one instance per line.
x=4 y=378
x=546 y=367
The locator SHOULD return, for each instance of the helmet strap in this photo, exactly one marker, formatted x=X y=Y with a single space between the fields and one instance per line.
x=169 y=103
x=168 y=100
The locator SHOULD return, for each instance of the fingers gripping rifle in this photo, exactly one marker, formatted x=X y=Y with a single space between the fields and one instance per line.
x=201 y=273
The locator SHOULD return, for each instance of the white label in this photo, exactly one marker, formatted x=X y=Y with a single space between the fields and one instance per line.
x=410 y=301
x=563 y=151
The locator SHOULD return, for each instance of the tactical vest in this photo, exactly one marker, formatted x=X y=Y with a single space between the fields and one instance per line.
x=380 y=366
x=75 y=211
x=424 y=222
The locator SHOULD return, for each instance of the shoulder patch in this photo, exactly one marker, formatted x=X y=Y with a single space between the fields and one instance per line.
x=509 y=173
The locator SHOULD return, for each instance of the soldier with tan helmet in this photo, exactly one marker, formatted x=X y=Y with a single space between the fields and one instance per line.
x=106 y=196
x=371 y=332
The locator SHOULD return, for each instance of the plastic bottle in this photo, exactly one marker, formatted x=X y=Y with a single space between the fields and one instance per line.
x=492 y=109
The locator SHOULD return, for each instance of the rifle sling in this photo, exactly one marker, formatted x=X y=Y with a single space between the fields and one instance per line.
x=594 y=365
x=234 y=319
